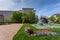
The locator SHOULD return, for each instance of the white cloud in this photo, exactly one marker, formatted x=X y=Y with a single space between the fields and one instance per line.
x=1 y=0
x=58 y=4
x=29 y=3
x=6 y=4
x=14 y=5
x=56 y=9
x=48 y=10
x=23 y=4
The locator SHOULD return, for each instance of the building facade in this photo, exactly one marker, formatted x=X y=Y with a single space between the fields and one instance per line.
x=27 y=10
x=8 y=14
x=1 y=19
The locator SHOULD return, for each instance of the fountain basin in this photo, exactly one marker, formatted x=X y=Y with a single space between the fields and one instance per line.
x=52 y=25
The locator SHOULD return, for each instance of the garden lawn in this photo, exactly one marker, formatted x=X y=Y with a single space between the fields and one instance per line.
x=20 y=35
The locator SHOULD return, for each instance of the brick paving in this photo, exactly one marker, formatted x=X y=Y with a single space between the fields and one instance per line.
x=8 y=31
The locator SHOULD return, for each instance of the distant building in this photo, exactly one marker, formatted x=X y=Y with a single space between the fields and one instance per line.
x=26 y=10
x=1 y=18
x=8 y=14
x=56 y=17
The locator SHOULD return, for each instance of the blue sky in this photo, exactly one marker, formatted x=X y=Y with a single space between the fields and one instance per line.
x=42 y=7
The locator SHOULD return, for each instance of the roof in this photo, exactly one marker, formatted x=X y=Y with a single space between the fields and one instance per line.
x=28 y=8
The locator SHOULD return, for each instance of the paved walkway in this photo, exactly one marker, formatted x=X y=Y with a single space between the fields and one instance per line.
x=8 y=31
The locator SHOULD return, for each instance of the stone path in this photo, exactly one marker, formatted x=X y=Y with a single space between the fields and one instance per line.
x=8 y=31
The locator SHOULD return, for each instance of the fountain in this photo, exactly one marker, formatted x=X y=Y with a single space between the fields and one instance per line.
x=41 y=24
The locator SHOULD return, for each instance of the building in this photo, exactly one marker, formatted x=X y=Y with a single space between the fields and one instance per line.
x=56 y=17
x=26 y=10
x=1 y=19
x=8 y=14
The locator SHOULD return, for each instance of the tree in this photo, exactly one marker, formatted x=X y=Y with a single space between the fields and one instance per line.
x=20 y=17
x=52 y=18
x=44 y=19
x=17 y=17
x=23 y=18
x=58 y=19
x=31 y=17
x=55 y=18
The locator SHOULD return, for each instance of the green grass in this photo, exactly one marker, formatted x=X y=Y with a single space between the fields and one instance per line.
x=20 y=35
